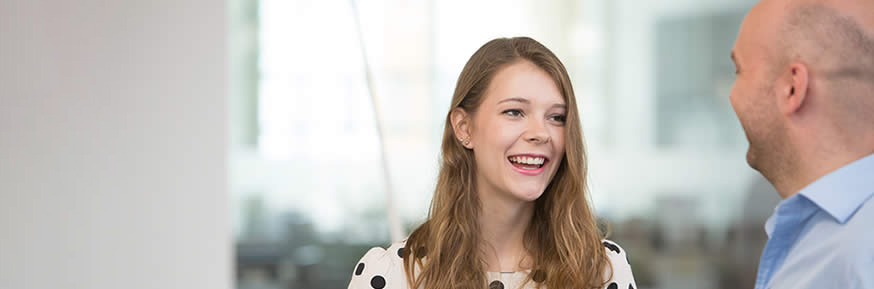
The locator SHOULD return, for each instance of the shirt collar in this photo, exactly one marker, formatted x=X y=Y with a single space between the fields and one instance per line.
x=795 y=205
x=841 y=192
x=771 y=224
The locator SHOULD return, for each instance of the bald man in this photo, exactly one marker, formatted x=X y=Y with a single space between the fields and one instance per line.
x=804 y=95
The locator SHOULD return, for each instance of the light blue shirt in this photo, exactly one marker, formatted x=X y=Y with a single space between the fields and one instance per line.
x=823 y=236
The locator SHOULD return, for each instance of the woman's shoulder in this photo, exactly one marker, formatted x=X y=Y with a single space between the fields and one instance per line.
x=622 y=278
x=380 y=268
x=383 y=268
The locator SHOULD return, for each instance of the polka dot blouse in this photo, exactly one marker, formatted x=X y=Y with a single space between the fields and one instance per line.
x=384 y=269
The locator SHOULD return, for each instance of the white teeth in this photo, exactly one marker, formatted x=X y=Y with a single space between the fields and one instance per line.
x=528 y=160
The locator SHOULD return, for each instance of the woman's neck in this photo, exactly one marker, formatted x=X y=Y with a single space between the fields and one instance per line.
x=503 y=221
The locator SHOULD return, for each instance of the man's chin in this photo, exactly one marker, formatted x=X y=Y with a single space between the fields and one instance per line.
x=752 y=160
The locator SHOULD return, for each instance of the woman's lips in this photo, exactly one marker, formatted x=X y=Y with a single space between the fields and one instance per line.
x=528 y=164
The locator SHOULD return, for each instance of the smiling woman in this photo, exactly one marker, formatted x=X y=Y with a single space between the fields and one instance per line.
x=510 y=206
x=519 y=121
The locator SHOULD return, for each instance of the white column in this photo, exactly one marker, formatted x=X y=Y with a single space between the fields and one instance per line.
x=113 y=145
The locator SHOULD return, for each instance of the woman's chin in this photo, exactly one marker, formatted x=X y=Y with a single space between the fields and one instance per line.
x=528 y=195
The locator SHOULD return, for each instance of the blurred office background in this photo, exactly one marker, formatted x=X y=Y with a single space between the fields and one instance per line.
x=653 y=78
x=213 y=144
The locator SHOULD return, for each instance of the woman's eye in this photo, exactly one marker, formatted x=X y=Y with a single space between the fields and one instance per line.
x=559 y=118
x=513 y=112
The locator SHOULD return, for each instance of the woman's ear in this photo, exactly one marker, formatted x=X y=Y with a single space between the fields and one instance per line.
x=461 y=126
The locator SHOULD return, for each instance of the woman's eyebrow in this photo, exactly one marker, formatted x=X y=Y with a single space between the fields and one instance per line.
x=526 y=101
x=516 y=99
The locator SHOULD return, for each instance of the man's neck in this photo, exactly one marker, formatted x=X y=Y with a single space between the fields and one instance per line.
x=815 y=164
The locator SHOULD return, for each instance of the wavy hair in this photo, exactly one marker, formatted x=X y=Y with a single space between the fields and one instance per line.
x=563 y=237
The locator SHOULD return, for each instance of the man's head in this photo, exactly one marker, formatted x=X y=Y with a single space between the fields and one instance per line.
x=805 y=76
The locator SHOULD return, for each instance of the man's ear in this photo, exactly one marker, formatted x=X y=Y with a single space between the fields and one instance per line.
x=793 y=93
x=461 y=126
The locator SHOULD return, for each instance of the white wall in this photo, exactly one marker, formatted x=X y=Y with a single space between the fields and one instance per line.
x=113 y=144
x=631 y=172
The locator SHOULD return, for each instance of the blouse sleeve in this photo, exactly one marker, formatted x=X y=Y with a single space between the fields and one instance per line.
x=621 y=269
x=380 y=269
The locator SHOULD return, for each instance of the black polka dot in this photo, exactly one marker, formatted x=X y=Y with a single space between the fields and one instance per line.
x=613 y=286
x=377 y=282
x=496 y=285
x=539 y=276
x=612 y=247
x=630 y=286
x=359 y=269
x=401 y=252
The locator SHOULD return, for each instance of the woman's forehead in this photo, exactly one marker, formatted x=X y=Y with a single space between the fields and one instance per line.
x=525 y=83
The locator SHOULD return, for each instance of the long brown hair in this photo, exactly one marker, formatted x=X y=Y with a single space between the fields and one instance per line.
x=563 y=237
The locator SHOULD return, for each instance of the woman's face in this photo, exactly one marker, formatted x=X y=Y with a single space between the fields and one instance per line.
x=518 y=132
